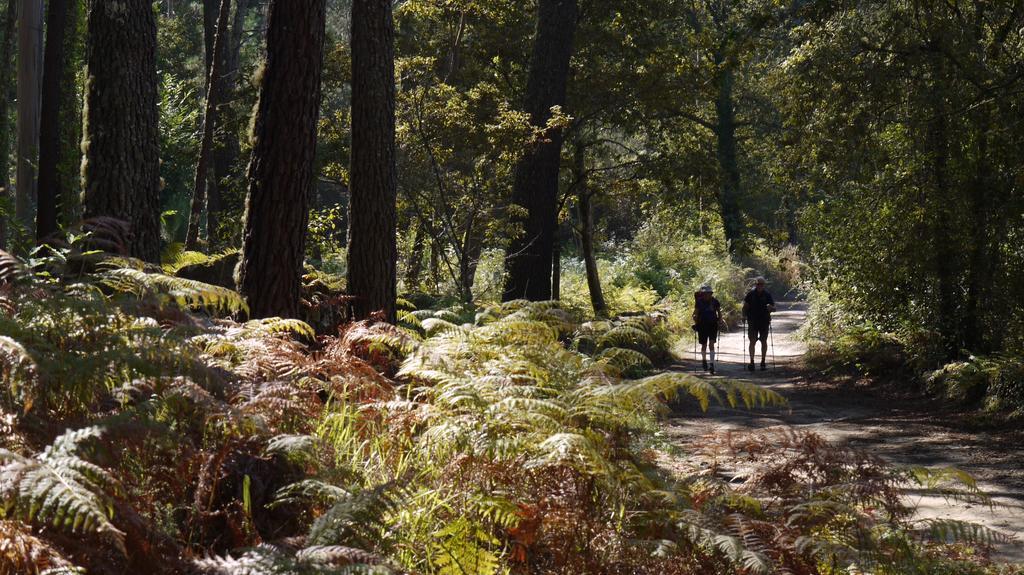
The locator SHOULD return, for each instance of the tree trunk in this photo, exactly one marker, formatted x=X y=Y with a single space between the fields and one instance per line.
x=556 y=266
x=50 y=192
x=121 y=144
x=6 y=51
x=729 y=192
x=589 y=259
x=414 y=267
x=943 y=259
x=535 y=188
x=281 y=170
x=226 y=147
x=372 y=249
x=69 y=166
x=980 y=263
x=213 y=99
x=30 y=56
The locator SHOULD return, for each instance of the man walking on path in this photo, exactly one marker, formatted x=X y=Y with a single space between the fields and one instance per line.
x=758 y=306
x=707 y=314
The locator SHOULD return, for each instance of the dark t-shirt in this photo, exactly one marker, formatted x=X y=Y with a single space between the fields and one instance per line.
x=757 y=306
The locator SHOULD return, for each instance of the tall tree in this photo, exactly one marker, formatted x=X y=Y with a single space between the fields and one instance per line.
x=6 y=51
x=30 y=56
x=535 y=191
x=120 y=171
x=213 y=100
x=281 y=170
x=226 y=148
x=372 y=249
x=50 y=192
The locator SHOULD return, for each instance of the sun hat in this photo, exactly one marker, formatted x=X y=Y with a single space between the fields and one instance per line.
x=706 y=289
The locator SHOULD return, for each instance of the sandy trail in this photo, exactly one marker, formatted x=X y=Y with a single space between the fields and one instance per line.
x=906 y=432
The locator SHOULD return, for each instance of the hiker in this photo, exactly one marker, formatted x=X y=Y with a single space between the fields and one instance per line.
x=707 y=314
x=758 y=306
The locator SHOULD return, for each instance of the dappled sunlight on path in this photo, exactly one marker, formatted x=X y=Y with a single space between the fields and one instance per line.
x=905 y=432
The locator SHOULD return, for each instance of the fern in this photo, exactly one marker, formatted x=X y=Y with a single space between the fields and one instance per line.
x=182 y=292
x=316 y=560
x=358 y=517
x=60 y=488
x=463 y=547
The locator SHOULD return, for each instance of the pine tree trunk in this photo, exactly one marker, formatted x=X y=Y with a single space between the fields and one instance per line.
x=535 y=188
x=213 y=100
x=69 y=167
x=556 y=266
x=6 y=52
x=281 y=170
x=943 y=260
x=414 y=267
x=30 y=56
x=121 y=169
x=50 y=192
x=729 y=191
x=372 y=249
x=226 y=147
x=589 y=259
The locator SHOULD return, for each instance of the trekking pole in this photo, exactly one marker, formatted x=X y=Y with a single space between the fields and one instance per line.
x=695 y=368
x=771 y=337
x=743 y=342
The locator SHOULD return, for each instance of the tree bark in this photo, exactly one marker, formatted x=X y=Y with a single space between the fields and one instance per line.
x=729 y=191
x=589 y=259
x=281 y=170
x=213 y=100
x=556 y=266
x=943 y=260
x=226 y=147
x=414 y=267
x=372 y=249
x=30 y=56
x=121 y=168
x=535 y=188
x=69 y=165
x=50 y=192
x=6 y=51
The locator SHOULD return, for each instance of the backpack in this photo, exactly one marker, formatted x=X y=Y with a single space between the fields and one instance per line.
x=706 y=312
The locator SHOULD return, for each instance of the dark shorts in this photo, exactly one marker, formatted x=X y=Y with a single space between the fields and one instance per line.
x=757 y=331
x=706 y=333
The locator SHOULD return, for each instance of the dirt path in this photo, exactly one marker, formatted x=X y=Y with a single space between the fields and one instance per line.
x=906 y=432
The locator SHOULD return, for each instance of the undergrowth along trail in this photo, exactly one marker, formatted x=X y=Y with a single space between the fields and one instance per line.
x=904 y=431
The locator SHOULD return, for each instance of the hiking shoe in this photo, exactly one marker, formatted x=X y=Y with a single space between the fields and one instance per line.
x=712 y=369
x=705 y=362
x=764 y=367
x=751 y=366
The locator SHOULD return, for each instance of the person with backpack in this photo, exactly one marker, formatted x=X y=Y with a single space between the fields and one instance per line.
x=707 y=314
x=758 y=306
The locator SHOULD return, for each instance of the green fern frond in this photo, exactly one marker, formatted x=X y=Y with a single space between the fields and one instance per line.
x=434 y=326
x=316 y=560
x=310 y=490
x=294 y=447
x=624 y=359
x=572 y=449
x=183 y=292
x=624 y=335
x=954 y=531
x=277 y=325
x=59 y=488
x=357 y=517
x=463 y=547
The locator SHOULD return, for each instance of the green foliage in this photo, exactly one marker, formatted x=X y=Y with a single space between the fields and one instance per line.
x=59 y=488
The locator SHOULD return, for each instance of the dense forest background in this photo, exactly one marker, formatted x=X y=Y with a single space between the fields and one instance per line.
x=297 y=261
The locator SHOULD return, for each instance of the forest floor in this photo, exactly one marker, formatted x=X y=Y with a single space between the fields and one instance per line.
x=904 y=430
